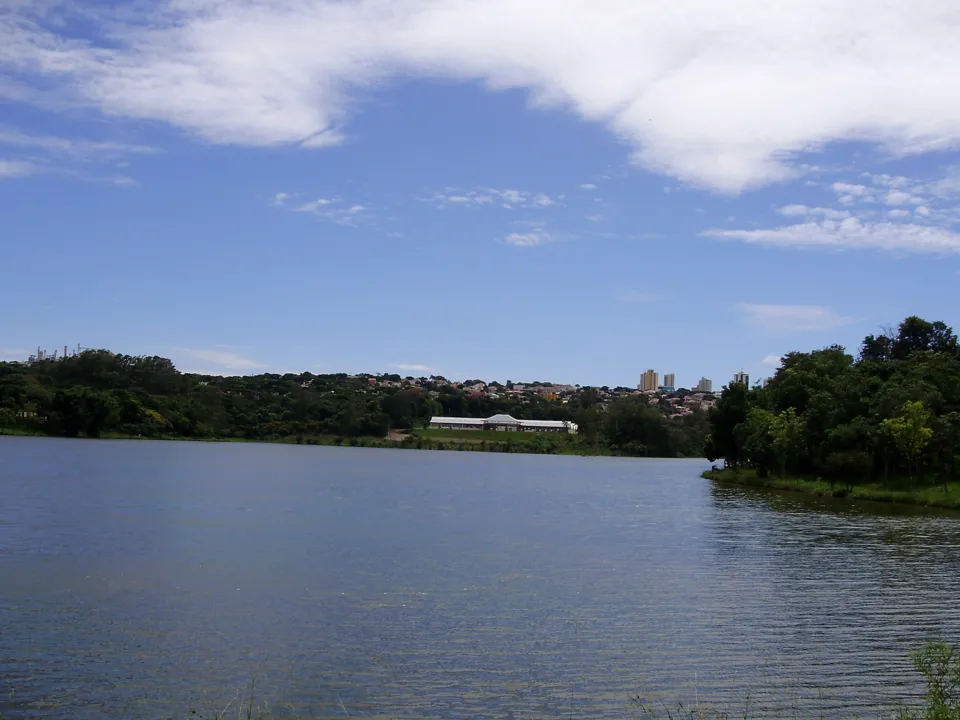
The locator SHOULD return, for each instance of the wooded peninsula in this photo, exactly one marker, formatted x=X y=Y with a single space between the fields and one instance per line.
x=882 y=426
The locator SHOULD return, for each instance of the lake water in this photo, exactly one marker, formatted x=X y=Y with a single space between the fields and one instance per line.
x=146 y=579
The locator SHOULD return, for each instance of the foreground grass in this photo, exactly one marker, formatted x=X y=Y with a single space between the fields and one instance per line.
x=899 y=490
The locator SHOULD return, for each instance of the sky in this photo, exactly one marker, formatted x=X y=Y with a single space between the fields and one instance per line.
x=499 y=189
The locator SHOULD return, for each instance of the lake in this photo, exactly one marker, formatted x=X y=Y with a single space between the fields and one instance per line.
x=146 y=579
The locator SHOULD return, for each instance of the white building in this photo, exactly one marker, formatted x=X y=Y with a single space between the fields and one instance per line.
x=705 y=385
x=742 y=377
x=455 y=423
x=669 y=380
x=503 y=423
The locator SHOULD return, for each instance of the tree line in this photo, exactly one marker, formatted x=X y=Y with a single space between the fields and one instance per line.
x=891 y=412
x=100 y=392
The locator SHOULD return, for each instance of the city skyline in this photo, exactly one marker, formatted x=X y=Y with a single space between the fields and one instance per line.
x=650 y=379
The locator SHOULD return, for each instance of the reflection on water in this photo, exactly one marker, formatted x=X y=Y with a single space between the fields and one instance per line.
x=140 y=580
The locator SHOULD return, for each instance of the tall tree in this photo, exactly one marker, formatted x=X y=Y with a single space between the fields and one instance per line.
x=729 y=412
x=910 y=432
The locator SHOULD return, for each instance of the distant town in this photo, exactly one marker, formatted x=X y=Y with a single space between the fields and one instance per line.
x=673 y=400
x=92 y=393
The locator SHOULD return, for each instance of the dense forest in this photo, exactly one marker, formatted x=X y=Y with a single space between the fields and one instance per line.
x=100 y=393
x=893 y=411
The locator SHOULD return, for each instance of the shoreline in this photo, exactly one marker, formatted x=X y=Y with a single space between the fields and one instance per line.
x=411 y=442
x=898 y=492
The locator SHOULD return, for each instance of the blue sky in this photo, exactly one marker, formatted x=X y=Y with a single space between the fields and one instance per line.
x=476 y=190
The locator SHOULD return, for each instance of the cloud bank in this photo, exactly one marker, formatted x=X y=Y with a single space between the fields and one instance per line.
x=224 y=361
x=918 y=217
x=720 y=95
x=788 y=319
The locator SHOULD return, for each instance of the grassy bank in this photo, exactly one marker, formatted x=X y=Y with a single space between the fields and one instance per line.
x=488 y=435
x=897 y=490
x=471 y=441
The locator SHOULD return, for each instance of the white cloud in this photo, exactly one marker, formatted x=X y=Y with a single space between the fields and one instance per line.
x=510 y=197
x=8 y=354
x=528 y=239
x=332 y=209
x=222 y=360
x=803 y=210
x=898 y=213
x=772 y=360
x=78 y=148
x=411 y=367
x=59 y=155
x=588 y=186
x=633 y=296
x=281 y=198
x=890 y=181
x=850 y=193
x=595 y=218
x=897 y=197
x=317 y=204
x=850 y=234
x=120 y=181
x=709 y=93
x=15 y=168
x=922 y=211
x=786 y=319
x=948 y=186
x=507 y=197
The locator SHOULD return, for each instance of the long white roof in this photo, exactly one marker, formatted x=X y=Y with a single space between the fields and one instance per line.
x=501 y=419
x=544 y=423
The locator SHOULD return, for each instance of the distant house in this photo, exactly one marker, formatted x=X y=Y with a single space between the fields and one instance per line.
x=503 y=423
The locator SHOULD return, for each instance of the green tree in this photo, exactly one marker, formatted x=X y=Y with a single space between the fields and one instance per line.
x=916 y=334
x=789 y=436
x=8 y=417
x=940 y=667
x=945 y=444
x=631 y=426
x=82 y=410
x=730 y=411
x=910 y=432
x=849 y=466
x=756 y=440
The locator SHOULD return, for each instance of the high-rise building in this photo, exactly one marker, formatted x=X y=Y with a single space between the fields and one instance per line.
x=705 y=385
x=668 y=380
x=649 y=381
x=742 y=377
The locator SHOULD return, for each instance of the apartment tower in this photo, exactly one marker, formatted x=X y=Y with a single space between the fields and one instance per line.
x=649 y=381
